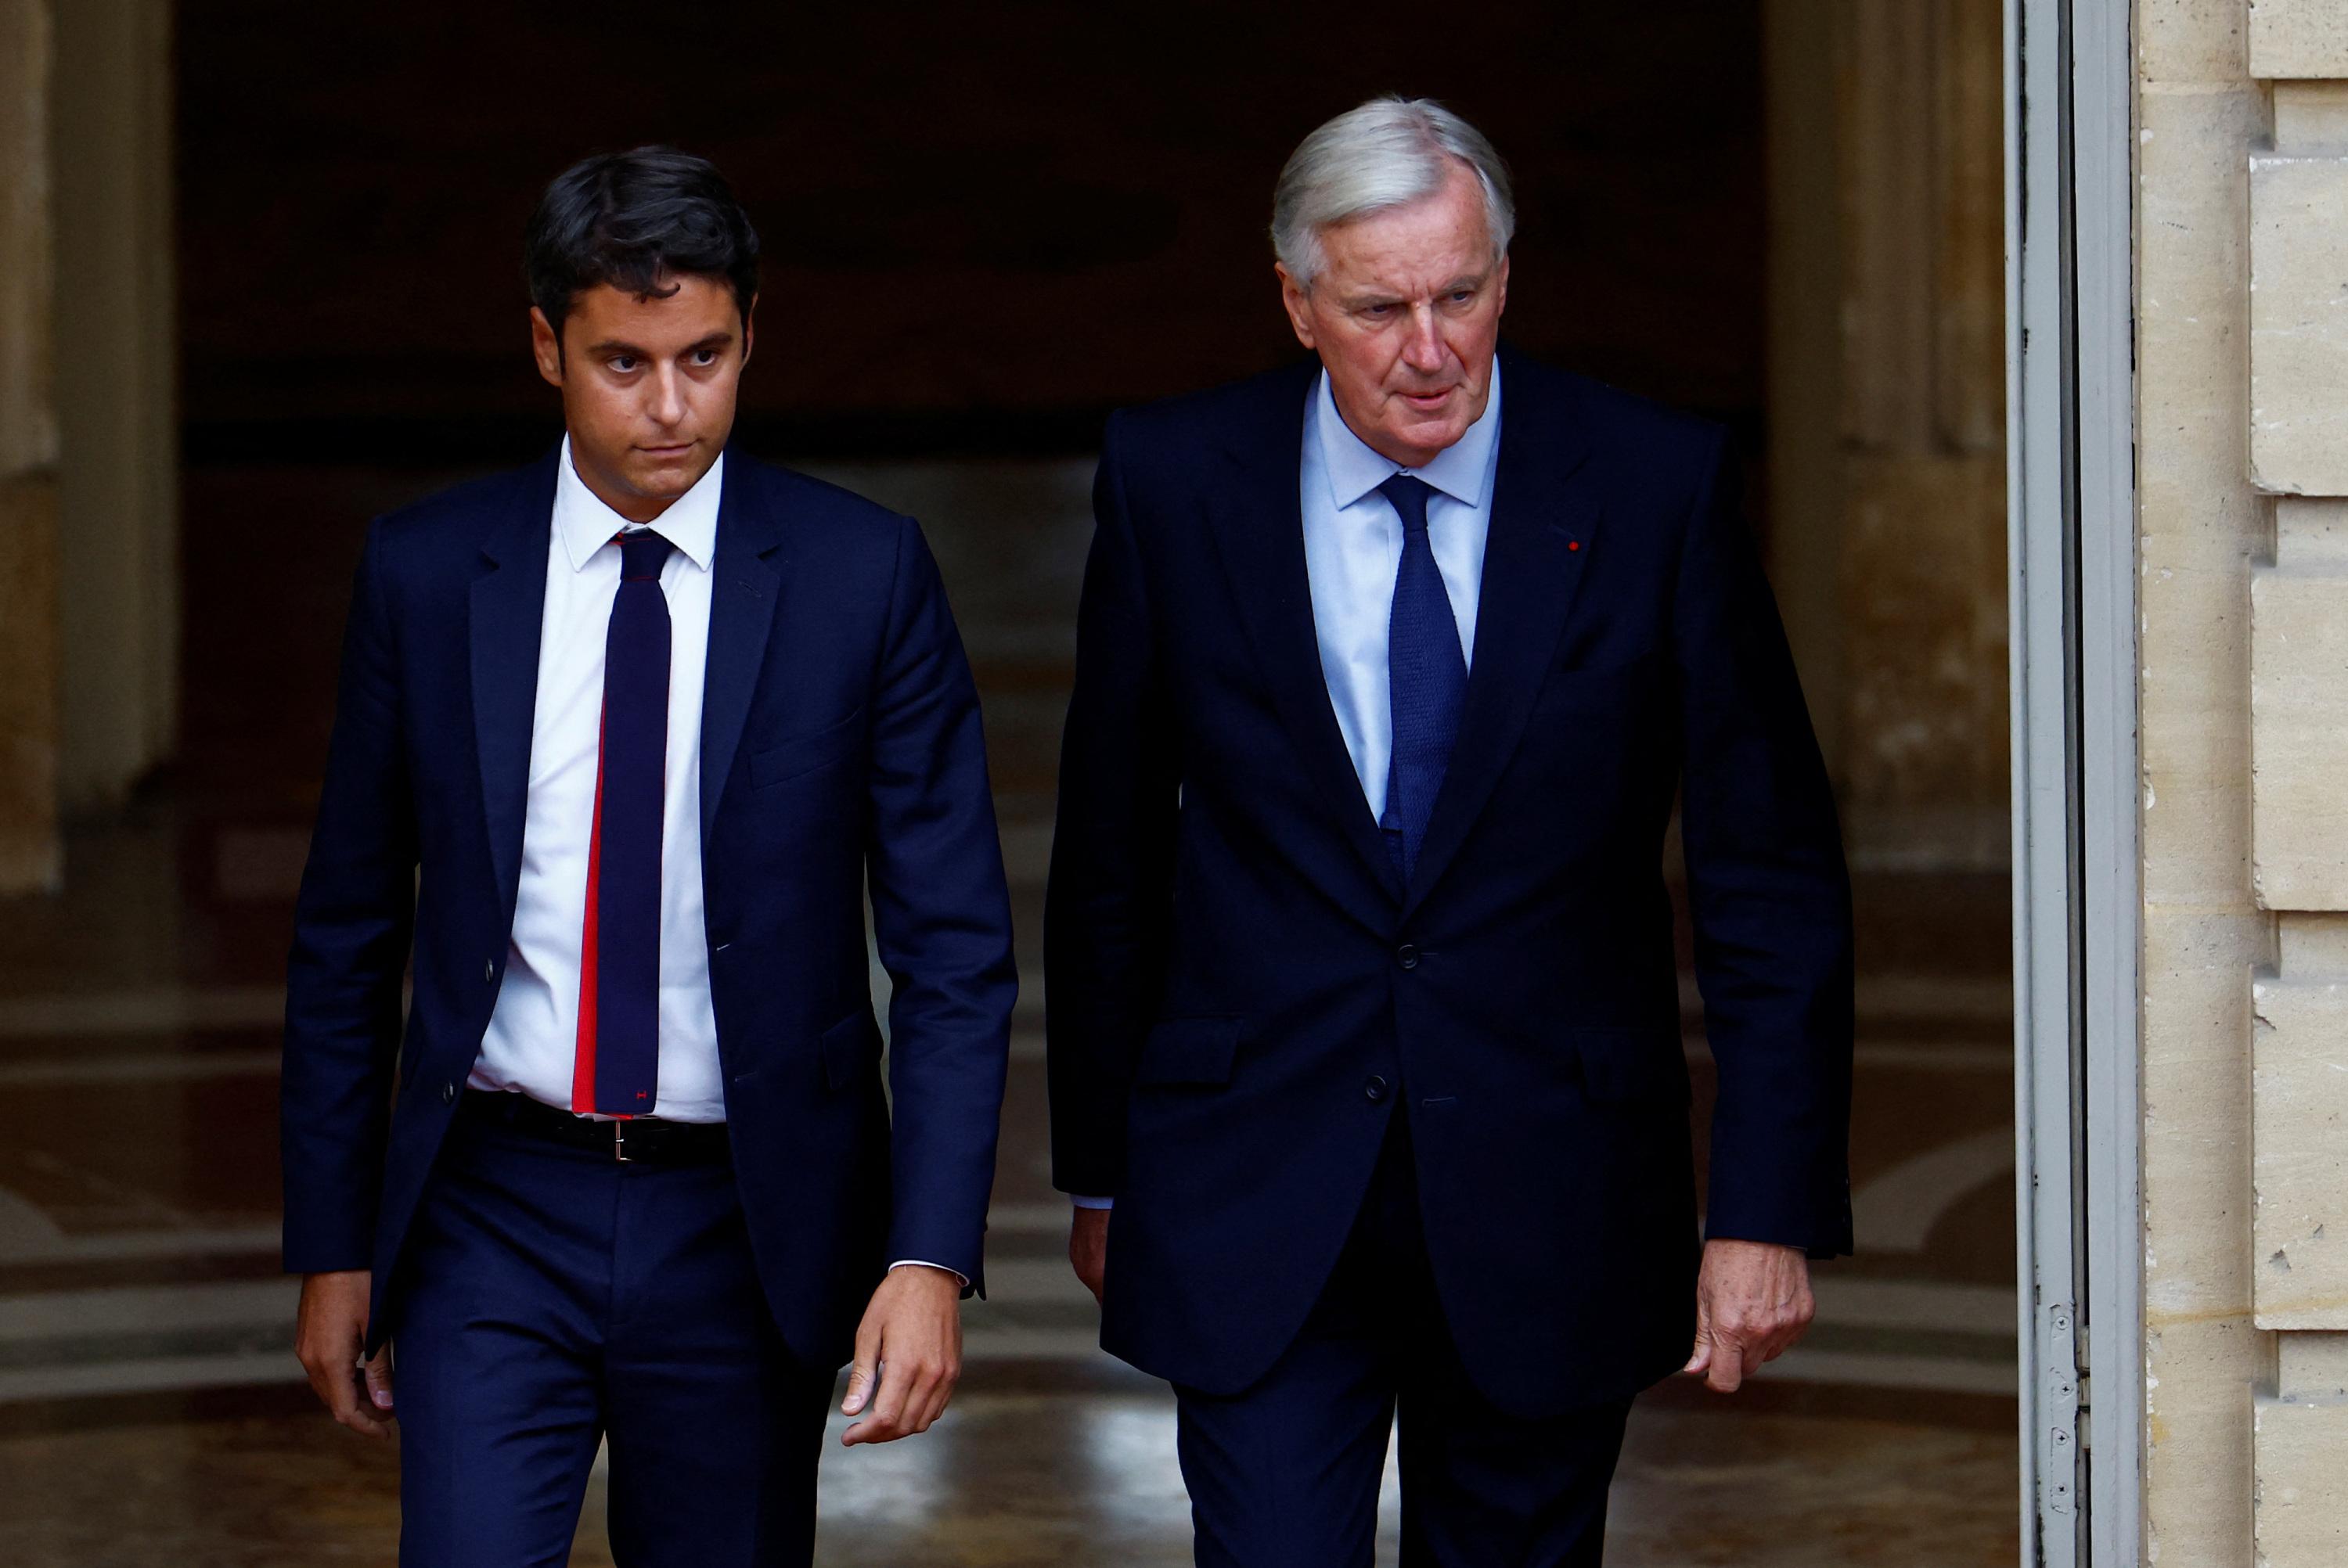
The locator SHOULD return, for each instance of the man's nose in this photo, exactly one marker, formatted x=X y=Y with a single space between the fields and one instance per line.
x=1422 y=350
x=666 y=391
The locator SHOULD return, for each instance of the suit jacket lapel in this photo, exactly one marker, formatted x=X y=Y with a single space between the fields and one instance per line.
x=508 y=605
x=1259 y=531
x=1543 y=527
x=749 y=570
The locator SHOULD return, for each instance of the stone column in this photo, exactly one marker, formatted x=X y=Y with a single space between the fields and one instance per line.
x=1887 y=411
x=1924 y=581
x=117 y=397
x=30 y=853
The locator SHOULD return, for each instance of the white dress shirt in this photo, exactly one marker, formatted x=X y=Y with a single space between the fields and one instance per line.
x=1353 y=553
x=532 y=1040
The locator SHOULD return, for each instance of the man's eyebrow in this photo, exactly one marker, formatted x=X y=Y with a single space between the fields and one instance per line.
x=610 y=348
x=1364 y=300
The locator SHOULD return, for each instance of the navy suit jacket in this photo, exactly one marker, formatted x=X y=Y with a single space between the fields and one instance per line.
x=841 y=747
x=1241 y=991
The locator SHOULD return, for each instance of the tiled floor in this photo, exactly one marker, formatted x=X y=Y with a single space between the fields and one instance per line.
x=1064 y=1475
x=149 y=1409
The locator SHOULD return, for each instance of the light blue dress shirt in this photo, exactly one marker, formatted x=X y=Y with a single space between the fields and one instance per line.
x=1352 y=552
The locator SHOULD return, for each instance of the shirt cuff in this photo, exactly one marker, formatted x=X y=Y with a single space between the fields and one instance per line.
x=941 y=1268
x=1085 y=1203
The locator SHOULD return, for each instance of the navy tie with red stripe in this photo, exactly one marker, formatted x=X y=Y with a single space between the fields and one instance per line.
x=618 y=1071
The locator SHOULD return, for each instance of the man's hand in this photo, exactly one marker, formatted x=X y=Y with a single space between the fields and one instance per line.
x=909 y=1345
x=1752 y=1303
x=329 y=1333
x=1089 y=1247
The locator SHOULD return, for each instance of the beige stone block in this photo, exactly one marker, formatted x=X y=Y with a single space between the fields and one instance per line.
x=2311 y=117
x=2311 y=1366
x=2195 y=817
x=2298 y=38
x=2194 y=655
x=2299 y=323
x=2302 y=1486
x=2312 y=947
x=2299 y=1153
x=2200 y=1440
x=2181 y=42
x=2197 y=1023
x=2192 y=301
x=2312 y=533
x=2299 y=737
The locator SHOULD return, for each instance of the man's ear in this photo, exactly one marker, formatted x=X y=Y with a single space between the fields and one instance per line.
x=545 y=347
x=749 y=334
x=1501 y=283
x=1294 y=300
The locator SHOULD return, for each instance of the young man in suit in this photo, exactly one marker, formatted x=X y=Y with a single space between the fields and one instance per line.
x=1364 y=1018
x=624 y=737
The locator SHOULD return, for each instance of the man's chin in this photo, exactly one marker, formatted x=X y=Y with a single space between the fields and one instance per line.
x=665 y=478
x=1433 y=432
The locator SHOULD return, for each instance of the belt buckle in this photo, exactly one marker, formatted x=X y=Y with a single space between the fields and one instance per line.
x=620 y=1141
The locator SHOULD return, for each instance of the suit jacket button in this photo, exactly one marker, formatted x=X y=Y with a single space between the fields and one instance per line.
x=447 y=1092
x=489 y=969
x=1408 y=956
x=1375 y=1090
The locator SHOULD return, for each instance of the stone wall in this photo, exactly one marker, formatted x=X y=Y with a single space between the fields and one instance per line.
x=2242 y=353
x=2299 y=757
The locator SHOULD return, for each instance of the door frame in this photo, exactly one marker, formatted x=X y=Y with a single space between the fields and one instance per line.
x=2073 y=582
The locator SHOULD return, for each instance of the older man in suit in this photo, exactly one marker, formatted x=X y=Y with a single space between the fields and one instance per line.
x=1364 y=1044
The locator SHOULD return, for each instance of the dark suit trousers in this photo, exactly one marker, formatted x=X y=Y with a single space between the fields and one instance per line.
x=1285 y=1473
x=551 y=1297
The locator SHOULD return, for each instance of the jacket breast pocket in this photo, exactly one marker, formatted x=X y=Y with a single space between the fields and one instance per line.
x=794 y=756
x=1189 y=1050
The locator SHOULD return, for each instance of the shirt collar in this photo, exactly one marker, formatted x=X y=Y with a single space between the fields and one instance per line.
x=586 y=524
x=1462 y=470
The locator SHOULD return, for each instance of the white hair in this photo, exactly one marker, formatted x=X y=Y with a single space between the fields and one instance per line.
x=1389 y=152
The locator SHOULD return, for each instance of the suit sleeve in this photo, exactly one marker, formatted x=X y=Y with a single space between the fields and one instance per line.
x=1109 y=908
x=352 y=924
x=1769 y=895
x=942 y=918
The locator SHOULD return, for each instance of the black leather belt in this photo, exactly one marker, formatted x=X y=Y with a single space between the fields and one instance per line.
x=638 y=1140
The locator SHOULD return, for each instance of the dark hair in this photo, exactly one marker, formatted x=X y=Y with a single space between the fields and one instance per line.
x=636 y=220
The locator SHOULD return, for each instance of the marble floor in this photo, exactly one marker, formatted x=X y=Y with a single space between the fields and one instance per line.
x=150 y=1407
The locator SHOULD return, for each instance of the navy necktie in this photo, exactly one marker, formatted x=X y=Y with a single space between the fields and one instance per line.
x=619 y=1033
x=1426 y=680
